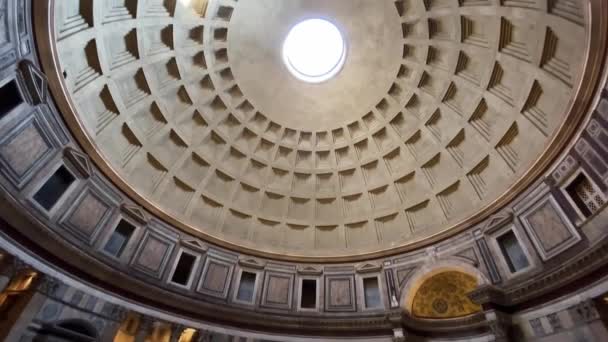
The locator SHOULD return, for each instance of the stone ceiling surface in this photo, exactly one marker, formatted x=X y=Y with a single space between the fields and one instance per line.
x=373 y=61
x=441 y=107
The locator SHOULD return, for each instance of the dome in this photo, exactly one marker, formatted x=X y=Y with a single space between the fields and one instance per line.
x=303 y=170
x=435 y=113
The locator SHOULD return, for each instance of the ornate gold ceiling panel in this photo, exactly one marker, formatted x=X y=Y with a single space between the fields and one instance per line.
x=444 y=295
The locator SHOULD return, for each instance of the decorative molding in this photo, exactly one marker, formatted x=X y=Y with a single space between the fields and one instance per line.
x=552 y=279
x=448 y=325
x=113 y=312
x=195 y=244
x=468 y=256
x=310 y=270
x=49 y=285
x=584 y=312
x=80 y=161
x=488 y=294
x=500 y=325
x=498 y=221
x=21 y=266
x=135 y=212
x=399 y=335
x=487 y=257
x=368 y=268
x=563 y=171
x=391 y=289
x=35 y=82
x=252 y=262
x=404 y=273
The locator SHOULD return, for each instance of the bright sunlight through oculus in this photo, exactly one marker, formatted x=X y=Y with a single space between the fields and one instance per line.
x=314 y=50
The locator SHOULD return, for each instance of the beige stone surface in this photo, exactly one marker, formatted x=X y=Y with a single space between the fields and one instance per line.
x=340 y=292
x=215 y=278
x=88 y=214
x=24 y=149
x=373 y=60
x=278 y=290
x=440 y=108
x=549 y=226
x=152 y=254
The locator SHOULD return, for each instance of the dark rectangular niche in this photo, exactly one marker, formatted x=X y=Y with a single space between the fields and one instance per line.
x=308 y=299
x=512 y=252
x=10 y=98
x=182 y=272
x=246 y=287
x=582 y=193
x=372 y=293
x=50 y=193
x=119 y=238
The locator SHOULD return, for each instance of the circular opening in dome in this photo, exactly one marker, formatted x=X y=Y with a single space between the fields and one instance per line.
x=314 y=50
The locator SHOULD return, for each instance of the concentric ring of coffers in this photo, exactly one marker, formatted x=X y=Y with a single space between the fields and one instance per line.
x=439 y=108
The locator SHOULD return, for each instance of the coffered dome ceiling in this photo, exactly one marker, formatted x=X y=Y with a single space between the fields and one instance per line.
x=440 y=109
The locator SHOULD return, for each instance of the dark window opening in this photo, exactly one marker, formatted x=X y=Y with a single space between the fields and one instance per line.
x=372 y=293
x=79 y=327
x=50 y=193
x=308 y=298
x=9 y=97
x=246 y=287
x=119 y=238
x=512 y=251
x=585 y=196
x=181 y=275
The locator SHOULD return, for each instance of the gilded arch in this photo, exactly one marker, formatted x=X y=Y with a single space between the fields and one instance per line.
x=444 y=295
x=428 y=271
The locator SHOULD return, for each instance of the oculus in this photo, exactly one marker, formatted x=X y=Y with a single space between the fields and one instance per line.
x=314 y=50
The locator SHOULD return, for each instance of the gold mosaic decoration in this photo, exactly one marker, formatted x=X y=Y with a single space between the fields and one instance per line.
x=445 y=296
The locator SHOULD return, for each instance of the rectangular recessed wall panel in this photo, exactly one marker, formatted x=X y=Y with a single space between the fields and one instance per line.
x=340 y=293
x=278 y=290
x=549 y=228
x=26 y=149
x=215 y=280
x=153 y=253
x=87 y=215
